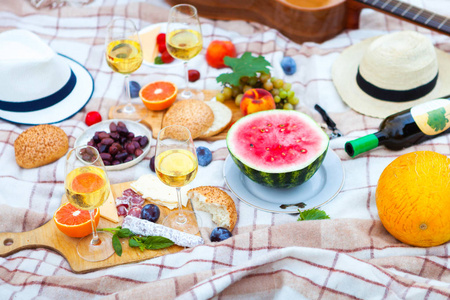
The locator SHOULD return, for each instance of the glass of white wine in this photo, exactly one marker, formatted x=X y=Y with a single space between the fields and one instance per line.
x=184 y=40
x=176 y=165
x=87 y=188
x=123 y=52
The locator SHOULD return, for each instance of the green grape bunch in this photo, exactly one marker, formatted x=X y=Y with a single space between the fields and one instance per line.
x=251 y=72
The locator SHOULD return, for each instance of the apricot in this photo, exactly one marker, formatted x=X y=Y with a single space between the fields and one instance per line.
x=216 y=52
x=255 y=100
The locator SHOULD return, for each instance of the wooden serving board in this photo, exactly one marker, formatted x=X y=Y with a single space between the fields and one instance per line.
x=154 y=118
x=48 y=236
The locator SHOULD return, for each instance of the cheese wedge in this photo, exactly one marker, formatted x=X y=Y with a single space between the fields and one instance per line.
x=152 y=189
x=108 y=210
x=149 y=45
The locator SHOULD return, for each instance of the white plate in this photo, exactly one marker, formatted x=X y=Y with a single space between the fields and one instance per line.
x=138 y=130
x=319 y=190
x=163 y=26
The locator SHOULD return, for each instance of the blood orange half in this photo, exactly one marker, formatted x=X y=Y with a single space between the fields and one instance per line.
x=158 y=95
x=74 y=222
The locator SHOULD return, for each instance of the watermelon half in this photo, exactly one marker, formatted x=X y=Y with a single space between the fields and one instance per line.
x=277 y=148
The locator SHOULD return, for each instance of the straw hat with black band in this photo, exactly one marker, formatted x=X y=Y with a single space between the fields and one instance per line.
x=387 y=74
x=37 y=85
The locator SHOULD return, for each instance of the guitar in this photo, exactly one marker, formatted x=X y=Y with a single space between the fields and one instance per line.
x=313 y=20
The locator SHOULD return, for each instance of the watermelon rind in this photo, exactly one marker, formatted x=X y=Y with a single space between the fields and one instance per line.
x=291 y=176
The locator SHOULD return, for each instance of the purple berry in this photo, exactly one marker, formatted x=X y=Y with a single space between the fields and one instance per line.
x=150 y=212
x=289 y=66
x=152 y=163
x=134 y=89
x=204 y=156
x=220 y=234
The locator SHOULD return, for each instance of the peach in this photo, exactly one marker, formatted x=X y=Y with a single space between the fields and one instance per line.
x=255 y=100
x=216 y=52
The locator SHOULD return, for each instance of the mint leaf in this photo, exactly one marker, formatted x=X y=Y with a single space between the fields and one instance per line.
x=312 y=214
x=158 y=61
x=157 y=242
x=112 y=230
x=437 y=119
x=246 y=65
x=136 y=242
x=125 y=232
x=117 y=245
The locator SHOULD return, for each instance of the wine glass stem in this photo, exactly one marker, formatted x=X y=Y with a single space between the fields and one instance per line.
x=95 y=240
x=181 y=217
x=186 y=92
x=129 y=108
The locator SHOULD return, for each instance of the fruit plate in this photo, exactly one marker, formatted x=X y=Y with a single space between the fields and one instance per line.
x=163 y=27
x=137 y=128
x=316 y=192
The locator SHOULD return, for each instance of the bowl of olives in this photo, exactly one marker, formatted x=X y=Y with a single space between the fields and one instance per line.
x=121 y=143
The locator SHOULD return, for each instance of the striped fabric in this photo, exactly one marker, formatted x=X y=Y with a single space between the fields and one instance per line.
x=270 y=255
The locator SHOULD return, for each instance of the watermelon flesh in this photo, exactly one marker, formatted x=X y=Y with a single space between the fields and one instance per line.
x=277 y=148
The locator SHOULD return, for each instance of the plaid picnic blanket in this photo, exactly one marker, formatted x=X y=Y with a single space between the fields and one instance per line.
x=350 y=256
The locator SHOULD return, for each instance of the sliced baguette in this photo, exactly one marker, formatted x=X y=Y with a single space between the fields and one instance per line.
x=222 y=118
x=217 y=202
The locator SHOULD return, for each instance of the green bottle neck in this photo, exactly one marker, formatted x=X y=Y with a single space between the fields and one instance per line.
x=364 y=144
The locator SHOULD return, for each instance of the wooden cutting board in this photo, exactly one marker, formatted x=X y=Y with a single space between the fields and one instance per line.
x=48 y=236
x=154 y=118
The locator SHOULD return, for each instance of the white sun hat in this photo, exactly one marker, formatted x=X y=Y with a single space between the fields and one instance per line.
x=387 y=74
x=37 y=85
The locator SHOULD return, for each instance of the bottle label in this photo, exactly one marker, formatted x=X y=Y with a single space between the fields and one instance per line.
x=432 y=117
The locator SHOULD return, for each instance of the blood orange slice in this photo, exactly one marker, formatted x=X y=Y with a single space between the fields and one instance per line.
x=74 y=222
x=158 y=95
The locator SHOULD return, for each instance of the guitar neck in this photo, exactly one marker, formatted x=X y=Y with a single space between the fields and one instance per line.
x=410 y=13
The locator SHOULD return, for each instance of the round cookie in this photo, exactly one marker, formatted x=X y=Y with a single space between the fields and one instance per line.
x=40 y=145
x=196 y=115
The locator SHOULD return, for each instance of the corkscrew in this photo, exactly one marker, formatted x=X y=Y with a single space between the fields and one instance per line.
x=335 y=132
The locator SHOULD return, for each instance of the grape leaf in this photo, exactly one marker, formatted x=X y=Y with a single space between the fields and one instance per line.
x=437 y=119
x=312 y=214
x=246 y=65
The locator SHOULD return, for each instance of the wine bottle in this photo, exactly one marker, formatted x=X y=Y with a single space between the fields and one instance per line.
x=406 y=128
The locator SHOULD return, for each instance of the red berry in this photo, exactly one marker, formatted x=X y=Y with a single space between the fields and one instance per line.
x=194 y=75
x=92 y=118
x=161 y=38
x=162 y=48
x=166 y=57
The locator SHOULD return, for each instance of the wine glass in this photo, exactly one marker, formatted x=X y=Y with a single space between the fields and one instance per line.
x=176 y=165
x=123 y=53
x=184 y=40
x=87 y=187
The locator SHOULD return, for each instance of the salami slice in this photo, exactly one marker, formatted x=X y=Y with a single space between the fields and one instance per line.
x=135 y=211
x=146 y=228
x=122 y=210
x=136 y=200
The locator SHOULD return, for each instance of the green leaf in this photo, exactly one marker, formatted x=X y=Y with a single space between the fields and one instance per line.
x=112 y=230
x=125 y=232
x=437 y=119
x=246 y=65
x=157 y=242
x=158 y=61
x=312 y=214
x=117 y=245
x=136 y=242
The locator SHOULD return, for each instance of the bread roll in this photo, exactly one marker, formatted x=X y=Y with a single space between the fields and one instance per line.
x=217 y=202
x=40 y=145
x=222 y=118
x=193 y=114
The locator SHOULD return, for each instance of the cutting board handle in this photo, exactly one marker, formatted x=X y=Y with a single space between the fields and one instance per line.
x=12 y=242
